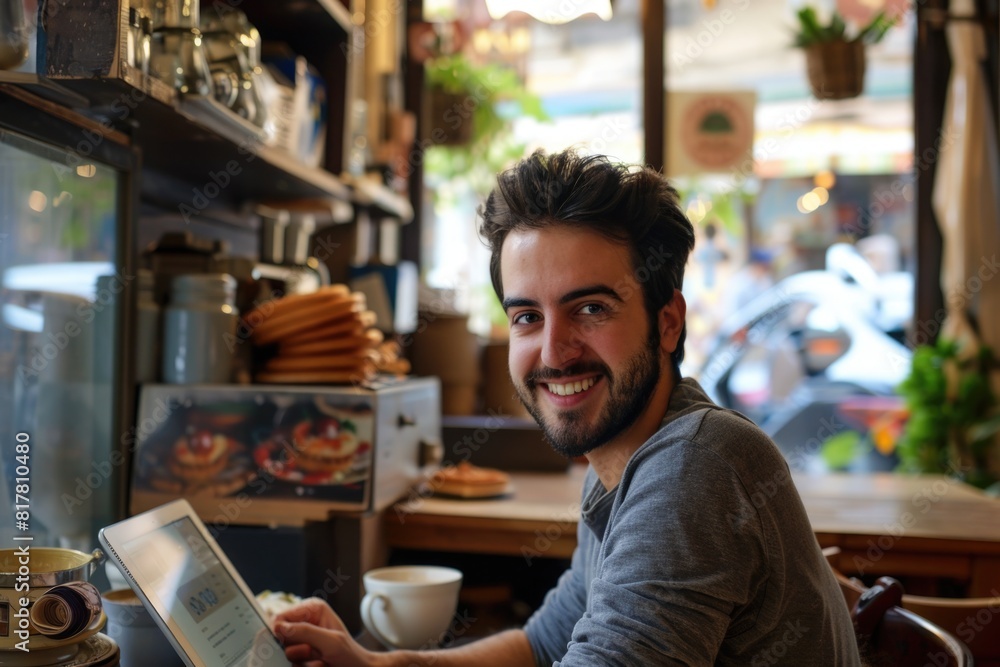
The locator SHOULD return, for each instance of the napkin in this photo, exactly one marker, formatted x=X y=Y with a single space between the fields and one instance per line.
x=67 y=610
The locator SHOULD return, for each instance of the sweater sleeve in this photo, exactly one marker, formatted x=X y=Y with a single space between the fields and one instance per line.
x=550 y=628
x=667 y=592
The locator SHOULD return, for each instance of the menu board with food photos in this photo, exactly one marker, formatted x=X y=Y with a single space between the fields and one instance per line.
x=241 y=454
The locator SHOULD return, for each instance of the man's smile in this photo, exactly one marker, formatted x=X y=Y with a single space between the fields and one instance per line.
x=571 y=388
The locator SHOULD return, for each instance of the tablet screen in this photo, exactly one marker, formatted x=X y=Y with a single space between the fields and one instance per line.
x=184 y=578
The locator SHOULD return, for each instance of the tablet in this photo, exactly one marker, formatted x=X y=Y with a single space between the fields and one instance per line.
x=191 y=589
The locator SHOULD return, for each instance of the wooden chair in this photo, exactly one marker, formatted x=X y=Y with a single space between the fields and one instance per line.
x=975 y=621
x=898 y=637
x=891 y=635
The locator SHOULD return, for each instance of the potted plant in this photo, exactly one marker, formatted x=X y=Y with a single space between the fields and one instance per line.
x=953 y=423
x=467 y=134
x=835 y=61
x=452 y=100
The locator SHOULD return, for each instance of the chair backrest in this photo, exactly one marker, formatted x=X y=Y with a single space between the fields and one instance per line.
x=891 y=635
x=898 y=637
x=975 y=621
x=908 y=640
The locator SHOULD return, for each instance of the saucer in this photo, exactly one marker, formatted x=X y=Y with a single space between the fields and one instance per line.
x=40 y=643
x=96 y=651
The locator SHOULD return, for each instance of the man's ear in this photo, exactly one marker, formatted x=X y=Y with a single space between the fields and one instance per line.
x=671 y=322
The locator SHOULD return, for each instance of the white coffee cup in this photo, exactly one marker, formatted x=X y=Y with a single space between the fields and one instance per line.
x=138 y=636
x=410 y=606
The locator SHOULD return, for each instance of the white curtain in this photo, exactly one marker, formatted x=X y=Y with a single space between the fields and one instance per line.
x=967 y=191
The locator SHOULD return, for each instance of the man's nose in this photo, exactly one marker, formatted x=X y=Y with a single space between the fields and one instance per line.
x=562 y=345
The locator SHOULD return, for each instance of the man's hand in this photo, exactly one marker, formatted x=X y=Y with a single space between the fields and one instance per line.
x=314 y=635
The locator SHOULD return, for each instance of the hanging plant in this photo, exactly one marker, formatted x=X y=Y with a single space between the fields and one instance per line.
x=469 y=118
x=835 y=61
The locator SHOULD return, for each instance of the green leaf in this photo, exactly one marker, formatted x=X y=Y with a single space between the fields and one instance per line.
x=942 y=425
x=837 y=28
x=531 y=105
x=811 y=31
x=809 y=28
x=840 y=450
x=876 y=29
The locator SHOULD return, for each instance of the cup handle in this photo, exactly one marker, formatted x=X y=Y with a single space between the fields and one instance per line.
x=98 y=557
x=366 y=618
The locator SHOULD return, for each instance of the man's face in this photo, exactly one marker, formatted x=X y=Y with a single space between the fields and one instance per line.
x=584 y=357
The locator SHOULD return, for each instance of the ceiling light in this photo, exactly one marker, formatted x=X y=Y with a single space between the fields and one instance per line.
x=37 y=201
x=825 y=179
x=551 y=11
x=810 y=201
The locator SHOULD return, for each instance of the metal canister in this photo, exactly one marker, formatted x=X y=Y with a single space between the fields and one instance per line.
x=199 y=329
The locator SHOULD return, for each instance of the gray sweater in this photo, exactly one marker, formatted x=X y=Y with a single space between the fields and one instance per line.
x=701 y=555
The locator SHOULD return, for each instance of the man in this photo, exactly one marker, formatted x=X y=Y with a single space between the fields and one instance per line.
x=694 y=548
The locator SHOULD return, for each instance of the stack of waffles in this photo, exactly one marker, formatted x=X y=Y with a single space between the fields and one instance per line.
x=325 y=337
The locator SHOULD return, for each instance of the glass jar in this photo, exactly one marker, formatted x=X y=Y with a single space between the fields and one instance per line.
x=230 y=72
x=177 y=54
x=137 y=41
x=13 y=34
x=199 y=329
x=182 y=14
x=231 y=46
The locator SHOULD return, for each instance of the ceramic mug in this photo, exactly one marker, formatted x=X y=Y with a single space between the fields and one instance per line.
x=410 y=606
x=138 y=636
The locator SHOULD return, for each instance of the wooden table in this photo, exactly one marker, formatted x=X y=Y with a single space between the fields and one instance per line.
x=928 y=525
x=538 y=519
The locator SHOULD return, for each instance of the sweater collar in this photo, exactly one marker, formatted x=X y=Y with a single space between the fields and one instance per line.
x=595 y=510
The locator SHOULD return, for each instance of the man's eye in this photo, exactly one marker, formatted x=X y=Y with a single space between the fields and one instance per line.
x=525 y=318
x=592 y=309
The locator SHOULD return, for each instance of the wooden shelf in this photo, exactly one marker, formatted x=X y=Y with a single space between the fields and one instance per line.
x=296 y=21
x=194 y=151
x=368 y=193
x=43 y=88
x=200 y=143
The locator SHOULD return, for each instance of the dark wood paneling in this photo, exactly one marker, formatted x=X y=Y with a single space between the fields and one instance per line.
x=653 y=23
x=414 y=94
x=931 y=66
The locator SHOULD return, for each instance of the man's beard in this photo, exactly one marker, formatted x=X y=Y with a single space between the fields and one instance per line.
x=629 y=392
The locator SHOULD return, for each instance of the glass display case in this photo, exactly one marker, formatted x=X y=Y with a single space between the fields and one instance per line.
x=63 y=285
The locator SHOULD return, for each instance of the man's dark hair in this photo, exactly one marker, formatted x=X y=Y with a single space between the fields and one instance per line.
x=633 y=206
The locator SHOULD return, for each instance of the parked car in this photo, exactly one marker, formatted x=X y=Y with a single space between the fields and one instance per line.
x=794 y=355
